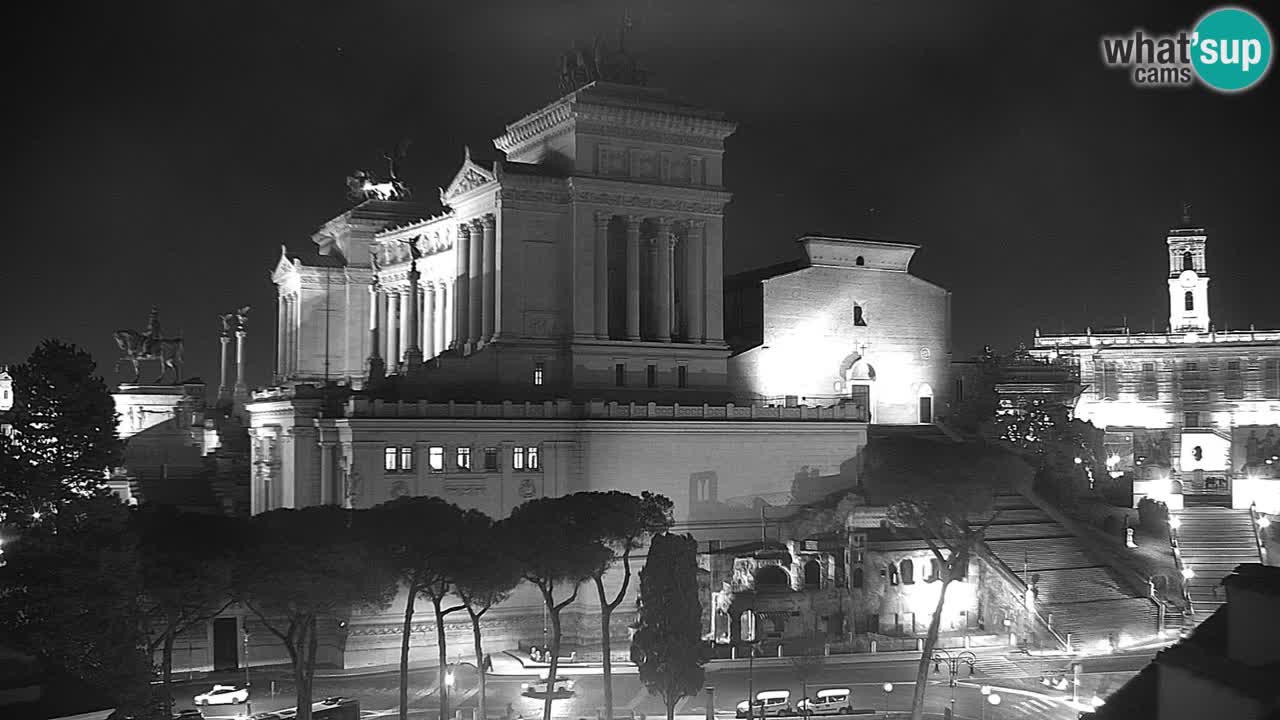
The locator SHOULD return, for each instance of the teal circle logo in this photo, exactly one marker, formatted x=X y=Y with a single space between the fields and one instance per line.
x=1231 y=49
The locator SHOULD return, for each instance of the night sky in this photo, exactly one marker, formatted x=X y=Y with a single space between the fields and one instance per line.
x=161 y=152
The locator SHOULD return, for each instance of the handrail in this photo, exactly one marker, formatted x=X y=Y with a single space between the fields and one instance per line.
x=1257 y=532
x=1003 y=569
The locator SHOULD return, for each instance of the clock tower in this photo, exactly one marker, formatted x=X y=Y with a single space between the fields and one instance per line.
x=1188 y=278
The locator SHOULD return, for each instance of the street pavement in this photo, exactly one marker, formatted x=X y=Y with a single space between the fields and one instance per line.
x=1014 y=677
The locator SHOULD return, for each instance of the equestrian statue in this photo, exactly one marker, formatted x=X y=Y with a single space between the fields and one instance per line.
x=150 y=345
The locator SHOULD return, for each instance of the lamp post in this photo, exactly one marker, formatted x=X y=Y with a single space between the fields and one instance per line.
x=248 y=701
x=888 y=688
x=753 y=646
x=953 y=663
x=986 y=697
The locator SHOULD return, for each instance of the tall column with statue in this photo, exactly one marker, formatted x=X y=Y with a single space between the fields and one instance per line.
x=412 y=324
x=224 y=338
x=241 y=394
x=375 y=367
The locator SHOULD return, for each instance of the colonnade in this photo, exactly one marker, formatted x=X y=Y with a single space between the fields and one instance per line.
x=397 y=311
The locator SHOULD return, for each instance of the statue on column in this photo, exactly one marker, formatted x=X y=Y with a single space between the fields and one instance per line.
x=150 y=345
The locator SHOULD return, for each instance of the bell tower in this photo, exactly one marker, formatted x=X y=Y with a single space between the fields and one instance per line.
x=1188 y=277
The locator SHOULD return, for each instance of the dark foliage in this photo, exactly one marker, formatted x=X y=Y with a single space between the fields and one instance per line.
x=668 y=643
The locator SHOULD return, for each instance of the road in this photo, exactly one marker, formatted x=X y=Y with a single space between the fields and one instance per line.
x=1015 y=678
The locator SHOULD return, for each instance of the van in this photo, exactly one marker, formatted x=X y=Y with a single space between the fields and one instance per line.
x=833 y=701
x=770 y=703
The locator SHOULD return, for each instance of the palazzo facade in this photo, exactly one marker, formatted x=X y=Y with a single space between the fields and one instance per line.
x=1193 y=413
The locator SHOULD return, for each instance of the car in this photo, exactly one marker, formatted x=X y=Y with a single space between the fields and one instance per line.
x=223 y=695
x=188 y=714
x=833 y=701
x=563 y=687
x=769 y=703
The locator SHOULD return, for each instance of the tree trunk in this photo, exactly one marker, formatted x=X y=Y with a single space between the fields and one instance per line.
x=481 y=712
x=930 y=639
x=555 y=656
x=166 y=669
x=404 y=651
x=443 y=653
x=671 y=706
x=606 y=645
x=304 y=668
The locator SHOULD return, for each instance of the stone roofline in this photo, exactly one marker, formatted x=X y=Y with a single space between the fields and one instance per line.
x=1138 y=340
x=363 y=407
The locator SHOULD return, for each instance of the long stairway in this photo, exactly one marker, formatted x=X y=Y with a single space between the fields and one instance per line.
x=1078 y=592
x=1213 y=541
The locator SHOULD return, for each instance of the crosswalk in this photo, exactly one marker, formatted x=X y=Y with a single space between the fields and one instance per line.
x=998 y=666
x=1033 y=707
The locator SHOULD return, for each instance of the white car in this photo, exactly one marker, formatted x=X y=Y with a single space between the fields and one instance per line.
x=835 y=701
x=538 y=688
x=775 y=703
x=223 y=695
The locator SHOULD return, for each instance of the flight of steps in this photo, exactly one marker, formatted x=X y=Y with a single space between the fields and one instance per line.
x=1078 y=591
x=1213 y=541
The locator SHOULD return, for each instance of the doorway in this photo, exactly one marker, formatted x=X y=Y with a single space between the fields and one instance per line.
x=225 y=639
x=926 y=410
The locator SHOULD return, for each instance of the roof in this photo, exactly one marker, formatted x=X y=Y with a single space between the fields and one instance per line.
x=751 y=277
x=315 y=259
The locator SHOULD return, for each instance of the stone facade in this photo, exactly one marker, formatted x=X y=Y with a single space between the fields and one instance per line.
x=848 y=324
x=1194 y=411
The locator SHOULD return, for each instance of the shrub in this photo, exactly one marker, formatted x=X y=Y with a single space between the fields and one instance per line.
x=1152 y=514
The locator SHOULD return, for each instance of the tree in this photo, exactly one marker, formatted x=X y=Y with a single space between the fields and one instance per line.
x=488 y=572
x=69 y=595
x=305 y=565
x=63 y=437
x=424 y=540
x=808 y=662
x=186 y=579
x=941 y=488
x=555 y=550
x=619 y=522
x=668 y=643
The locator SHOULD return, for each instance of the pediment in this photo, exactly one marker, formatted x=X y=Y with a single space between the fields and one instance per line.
x=469 y=177
x=284 y=267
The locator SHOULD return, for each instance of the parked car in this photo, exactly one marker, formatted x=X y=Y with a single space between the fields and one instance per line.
x=188 y=714
x=563 y=687
x=834 y=701
x=770 y=703
x=223 y=695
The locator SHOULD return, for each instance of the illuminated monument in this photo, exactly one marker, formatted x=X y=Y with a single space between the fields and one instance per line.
x=1192 y=413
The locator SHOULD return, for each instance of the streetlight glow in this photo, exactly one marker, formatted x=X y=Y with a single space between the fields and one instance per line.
x=1188 y=573
x=985 y=690
x=1175 y=522
x=1097 y=702
x=994 y=698
x=888 y=687
x=1264 y=522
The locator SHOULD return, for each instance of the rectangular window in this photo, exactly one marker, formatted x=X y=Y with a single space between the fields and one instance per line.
x=531 y=458
x=406 y=459
x=491 y=458
x=537 y=373
x=959 y=390
x=620 y=374
x=389 y=456
x=651 y=375
x=435 y=458
x=1271 y=378
x=1148 y=387
x=1191 y=419
x=517 y=458
x=1110 y=382
x=464 y=458
x=1190 y=366
x=1233 y=389
x=682 y=376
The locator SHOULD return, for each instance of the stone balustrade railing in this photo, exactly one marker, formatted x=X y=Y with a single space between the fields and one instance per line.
x=361 y=407
x=1045 y=342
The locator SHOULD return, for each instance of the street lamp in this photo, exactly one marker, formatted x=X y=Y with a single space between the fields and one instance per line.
x=1188 y=573
x=752 y=647
x=248 y=702
x=987 y=697
x=888 y=688
x=953 y=668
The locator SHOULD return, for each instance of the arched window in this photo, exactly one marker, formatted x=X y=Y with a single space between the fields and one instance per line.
x=908 y=572
x=1188 y=261
x=1189 y=301
x=859 y=261
x=772 y=577
x=858 y=319
x=812 y=574
x=935 y=570
x=858 y=577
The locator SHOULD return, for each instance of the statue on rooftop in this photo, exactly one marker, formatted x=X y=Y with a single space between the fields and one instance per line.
x=362 y=185
x=150 y=345
x=618 y=66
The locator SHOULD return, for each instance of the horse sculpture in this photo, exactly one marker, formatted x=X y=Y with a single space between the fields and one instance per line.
x=136 y=347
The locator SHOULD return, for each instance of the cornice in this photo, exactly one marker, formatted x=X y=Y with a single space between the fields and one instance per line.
x=621 y=194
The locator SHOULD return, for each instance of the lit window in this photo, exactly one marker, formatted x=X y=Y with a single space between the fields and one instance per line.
x=491 y=458
x=620 y=374
x=908 y=572
x=531 y=457
x=682 y=376
x=651 y=375
x=435 y=458
x=858 y=319
x=406 y=459
x=537 y=373
x=1189 y=301
x=464 y=458
x=517 y=459
x=389 y=459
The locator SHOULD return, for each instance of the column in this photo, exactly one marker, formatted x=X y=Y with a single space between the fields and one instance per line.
x=291 y=333
x=402 y=324
x=489 y=225
x=633 y=277
x=695 y=302
x=475 y=285
x=393 y=329
x=328 y=488
x=602 y=274
x=376 y=368
x=664 y=243
x=412 y=320
x=429 y=321
x=222 y=379
x=444 y=328
x=242 y=390
x=461 y=291
x=281 y=324
x=713 y=276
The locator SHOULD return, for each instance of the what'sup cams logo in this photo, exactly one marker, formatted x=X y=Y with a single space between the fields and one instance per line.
x=1228 y=51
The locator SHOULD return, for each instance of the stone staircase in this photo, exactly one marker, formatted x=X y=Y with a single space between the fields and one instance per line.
x=1212 y=541
x=1076 y=592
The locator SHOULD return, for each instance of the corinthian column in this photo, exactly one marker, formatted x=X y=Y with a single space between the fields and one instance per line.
x=664 y=243
x=402 y=324
x=222 y=379
x=633 y=277
x=412 y=323
x=376 y=367
x=489 y=304
x=475 y=282
x=429 y=321
x=393 y=329
x=242 y=390
x=282 y=338
x=444 y=326
x=461 y=288
x=602 y=274
x=695 y=301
